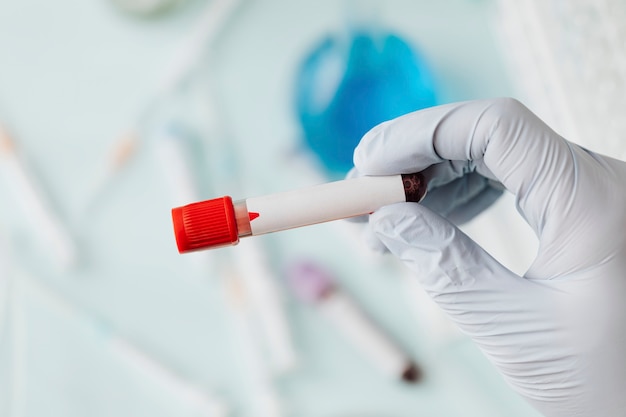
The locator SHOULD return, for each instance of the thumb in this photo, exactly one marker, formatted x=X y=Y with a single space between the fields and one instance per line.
x=479 y=294
x=523 y=326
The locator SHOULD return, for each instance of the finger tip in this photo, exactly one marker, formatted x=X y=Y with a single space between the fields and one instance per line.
x=363 y=157
x=387 y=218
x=404 y=219
x=353 y=173
x=374 y=245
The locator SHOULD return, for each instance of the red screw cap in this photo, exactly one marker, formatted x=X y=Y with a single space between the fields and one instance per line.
x=204 y=225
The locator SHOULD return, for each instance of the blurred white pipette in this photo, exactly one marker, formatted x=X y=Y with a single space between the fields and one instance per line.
x=264 y=294
x=265 y=299
x=171 y=148
x=124 y=149
x=172 y=151
x=264 y=398
x=19 y=347
x=146 y=8
x=200 y=39
x=12 y=331
x=190 y=394
x=45 y=225
x=186 y=57
x=5 y=288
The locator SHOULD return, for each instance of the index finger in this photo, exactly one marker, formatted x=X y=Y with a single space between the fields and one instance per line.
x=500 y=138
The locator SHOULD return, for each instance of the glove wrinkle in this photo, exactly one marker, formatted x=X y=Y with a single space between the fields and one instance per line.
x=557 y=334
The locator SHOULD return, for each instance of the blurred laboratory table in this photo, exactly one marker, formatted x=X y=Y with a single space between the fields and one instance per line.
x=132 y=328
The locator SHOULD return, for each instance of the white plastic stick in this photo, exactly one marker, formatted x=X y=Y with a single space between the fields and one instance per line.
x=208 y=26
x=200 y=38
x=18 y=361
x=264 y=397
x=125 y=148
x=189 y=393
x=5 y=290
x=172 y=154
x=265 y=299
x=352 y=323
x=46 y=226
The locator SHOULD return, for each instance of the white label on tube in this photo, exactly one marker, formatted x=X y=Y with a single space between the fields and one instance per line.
x=325 y=202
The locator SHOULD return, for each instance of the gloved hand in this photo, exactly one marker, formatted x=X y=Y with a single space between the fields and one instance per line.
x=558 y=333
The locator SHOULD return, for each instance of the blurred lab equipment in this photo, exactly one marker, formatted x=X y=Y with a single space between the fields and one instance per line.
x=252 y=265
x=351 y=82
x=314 y=285
x=173 y=150
x=258 y=325
x=5 y=285
x=6 y=307
x=187 y=57
x=191 y=395
x=265 y=299
x=45 y=226
x=569 y=62
x=557 y=333
x=124 y=150
x=197 y=45
x=144 y=290
x=145 y=8
x=263 y=397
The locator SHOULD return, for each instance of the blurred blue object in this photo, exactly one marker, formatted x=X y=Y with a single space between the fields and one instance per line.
x=349 y=84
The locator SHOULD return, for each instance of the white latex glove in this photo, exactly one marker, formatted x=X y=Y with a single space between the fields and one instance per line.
x=558 y=333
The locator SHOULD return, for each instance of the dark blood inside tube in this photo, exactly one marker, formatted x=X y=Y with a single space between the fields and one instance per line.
x=414 y=187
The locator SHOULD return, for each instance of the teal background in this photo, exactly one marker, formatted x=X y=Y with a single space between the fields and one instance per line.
x=74 y=75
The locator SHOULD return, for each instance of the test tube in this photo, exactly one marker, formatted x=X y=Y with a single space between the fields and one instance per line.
x=313 y=285
x=221 y=222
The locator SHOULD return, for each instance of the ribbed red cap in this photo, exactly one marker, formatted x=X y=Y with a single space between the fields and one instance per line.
x=204 y=225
